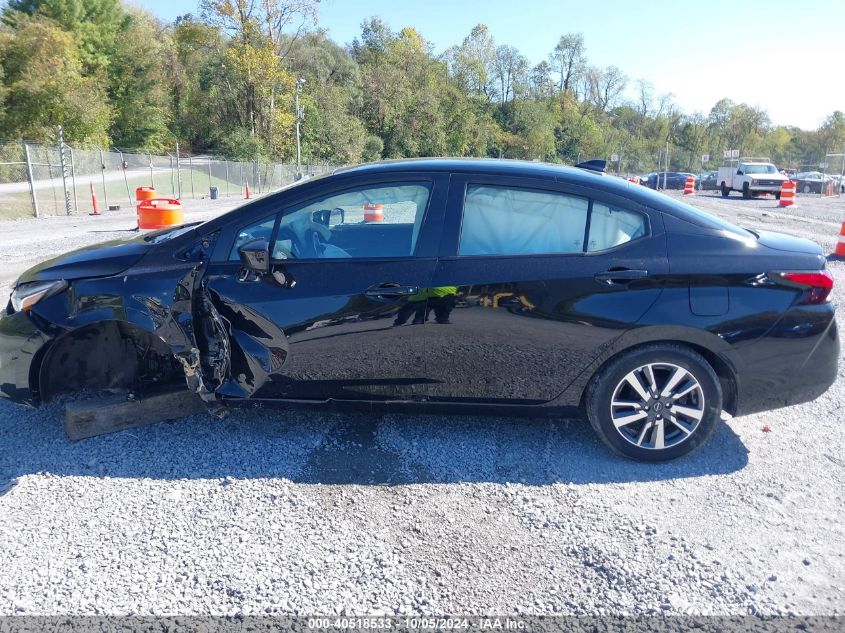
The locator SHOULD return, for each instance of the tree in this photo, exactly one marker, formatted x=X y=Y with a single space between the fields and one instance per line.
x=44 y=86
x=96 y=25
x=567 y=60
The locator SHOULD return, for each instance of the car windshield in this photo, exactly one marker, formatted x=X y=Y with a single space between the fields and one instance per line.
x=761 y=169
x=158 y=238
x=222 y=217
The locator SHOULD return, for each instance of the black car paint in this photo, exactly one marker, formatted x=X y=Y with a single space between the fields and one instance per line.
x=527 y=330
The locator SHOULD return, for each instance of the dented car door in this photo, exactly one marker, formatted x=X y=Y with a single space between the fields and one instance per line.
x=325 y=321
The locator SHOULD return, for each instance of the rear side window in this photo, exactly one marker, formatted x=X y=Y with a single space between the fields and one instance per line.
x=611 y=227
x=515 y=221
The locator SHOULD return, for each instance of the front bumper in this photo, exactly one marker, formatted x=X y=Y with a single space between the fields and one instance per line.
x=21 y=345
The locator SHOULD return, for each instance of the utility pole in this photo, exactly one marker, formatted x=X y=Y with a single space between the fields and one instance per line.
x=299 y=82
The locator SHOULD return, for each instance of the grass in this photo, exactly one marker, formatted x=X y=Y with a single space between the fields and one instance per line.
x=51 y=199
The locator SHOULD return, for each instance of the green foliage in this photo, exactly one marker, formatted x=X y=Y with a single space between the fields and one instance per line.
x=44 y=86
x=224 y=81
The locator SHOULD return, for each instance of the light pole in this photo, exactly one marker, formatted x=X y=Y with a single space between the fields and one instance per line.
x=299 y=82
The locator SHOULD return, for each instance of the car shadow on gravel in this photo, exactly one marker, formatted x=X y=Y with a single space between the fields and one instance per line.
x=326 y=447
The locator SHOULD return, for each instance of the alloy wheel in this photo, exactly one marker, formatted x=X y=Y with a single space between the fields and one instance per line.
x=657 y=406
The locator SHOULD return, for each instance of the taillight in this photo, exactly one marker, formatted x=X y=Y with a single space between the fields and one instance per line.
x=817 y=285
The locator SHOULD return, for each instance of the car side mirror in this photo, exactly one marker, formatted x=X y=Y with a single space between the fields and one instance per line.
x=255 y=255
x=337 y=216
x=329 y=218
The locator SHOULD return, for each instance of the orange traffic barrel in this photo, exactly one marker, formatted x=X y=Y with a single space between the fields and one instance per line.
x=373 y=213
x=145 y=193
x=689 y=186
x=787 y=193
x=160 y=213
x=840 y=245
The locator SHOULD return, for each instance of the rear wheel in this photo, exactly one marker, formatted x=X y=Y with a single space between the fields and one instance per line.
x=806 y=189
x=777 y=195
x=725 y=191
x=655 y=403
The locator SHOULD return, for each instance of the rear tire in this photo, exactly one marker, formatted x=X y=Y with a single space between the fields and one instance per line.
x=680 y=418
x=725 y=191
x=806 y=189
x=777 y=195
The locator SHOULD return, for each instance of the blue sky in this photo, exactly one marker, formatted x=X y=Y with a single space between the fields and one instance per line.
x=697 y=51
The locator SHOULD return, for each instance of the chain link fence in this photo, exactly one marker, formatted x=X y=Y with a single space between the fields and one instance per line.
x=42 y=180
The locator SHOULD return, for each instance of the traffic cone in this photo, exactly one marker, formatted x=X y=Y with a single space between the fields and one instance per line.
x=787 y=194
x=246 y=180
x=689 y=186
x=840 y=245
x=93 y=199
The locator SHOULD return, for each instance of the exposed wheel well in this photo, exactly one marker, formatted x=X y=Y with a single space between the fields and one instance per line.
x=104 y=355
x=727 y=378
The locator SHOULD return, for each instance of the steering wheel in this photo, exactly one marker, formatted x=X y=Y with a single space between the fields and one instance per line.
x=307 y=243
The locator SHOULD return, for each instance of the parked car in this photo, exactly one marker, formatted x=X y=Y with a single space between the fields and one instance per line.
x=811 y=181
x=668 y=180
x=707 y=181
x=499 y=284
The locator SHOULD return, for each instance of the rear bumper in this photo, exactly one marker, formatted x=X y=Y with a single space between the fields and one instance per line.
x=795 y=362
x=21 y=343
x=819 y=371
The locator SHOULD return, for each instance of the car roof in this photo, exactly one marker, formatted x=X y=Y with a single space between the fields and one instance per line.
x=498 y=166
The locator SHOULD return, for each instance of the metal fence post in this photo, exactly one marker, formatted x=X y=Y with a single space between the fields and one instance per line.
x=227 y=177
x=123 y=166
x=191 y=167
x=152 y=181
x=209 y=176
x=50 y=179
x=73 y=179
x=178 y=174
x=29 y=179
x=103 y=168
x=60 y=137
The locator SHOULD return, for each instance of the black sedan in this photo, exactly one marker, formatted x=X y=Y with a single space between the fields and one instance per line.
x=447 y=285
x=668 y=180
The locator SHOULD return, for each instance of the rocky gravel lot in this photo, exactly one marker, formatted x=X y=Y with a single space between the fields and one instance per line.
x=300 y=512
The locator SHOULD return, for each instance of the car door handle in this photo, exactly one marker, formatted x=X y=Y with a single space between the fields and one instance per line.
x=391 y=290
x=622 y=276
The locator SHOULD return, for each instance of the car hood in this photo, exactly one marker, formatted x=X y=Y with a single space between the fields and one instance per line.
x=98 y=260
x=789 y=243
x=769 y=177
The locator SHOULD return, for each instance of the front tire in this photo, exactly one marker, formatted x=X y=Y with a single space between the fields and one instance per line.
x=655 y=403
x=746 y=192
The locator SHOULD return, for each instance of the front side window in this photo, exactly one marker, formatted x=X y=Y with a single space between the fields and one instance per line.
x=514 y=221
x=367 y=222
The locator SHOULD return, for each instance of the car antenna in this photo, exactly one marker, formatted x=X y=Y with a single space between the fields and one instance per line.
x=593 y=165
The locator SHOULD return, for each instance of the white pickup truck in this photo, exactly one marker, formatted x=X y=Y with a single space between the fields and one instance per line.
x=751 y=176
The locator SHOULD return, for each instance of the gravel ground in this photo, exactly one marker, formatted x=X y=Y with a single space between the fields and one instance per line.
x=272 y=511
